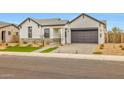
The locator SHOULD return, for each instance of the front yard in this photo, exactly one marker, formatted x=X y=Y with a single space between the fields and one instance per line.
x=18 y=48
x=110 y=49
x=105 y=49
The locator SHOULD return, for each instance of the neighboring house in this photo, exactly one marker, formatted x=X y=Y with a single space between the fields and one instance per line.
x=8 y=33
x=82 y=29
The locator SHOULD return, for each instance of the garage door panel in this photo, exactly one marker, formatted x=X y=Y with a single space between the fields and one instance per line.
x=84 y=36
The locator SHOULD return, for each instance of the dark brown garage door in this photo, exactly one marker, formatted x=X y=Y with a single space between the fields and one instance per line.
x=84 y=36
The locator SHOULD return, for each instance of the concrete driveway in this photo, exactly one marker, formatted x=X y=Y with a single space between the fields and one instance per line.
x=77 y=48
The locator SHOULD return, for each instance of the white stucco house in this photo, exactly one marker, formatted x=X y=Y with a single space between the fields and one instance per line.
x=82 y=29
x=9 y=32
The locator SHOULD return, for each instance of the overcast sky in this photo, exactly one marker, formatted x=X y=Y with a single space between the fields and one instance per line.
x=113 y=19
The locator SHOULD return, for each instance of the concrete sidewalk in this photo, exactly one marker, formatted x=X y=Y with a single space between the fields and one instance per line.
x=69 y=56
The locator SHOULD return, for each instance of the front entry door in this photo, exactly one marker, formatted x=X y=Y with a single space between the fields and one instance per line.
x=65 y=37
x=3 y=37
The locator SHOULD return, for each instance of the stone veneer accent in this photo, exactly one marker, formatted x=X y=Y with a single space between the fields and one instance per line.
x=36 y=40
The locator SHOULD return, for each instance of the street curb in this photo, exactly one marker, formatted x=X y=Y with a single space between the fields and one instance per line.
x=68 y=56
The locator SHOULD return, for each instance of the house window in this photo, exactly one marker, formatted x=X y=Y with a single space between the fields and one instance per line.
x=29 y=32
x=9 y=33
x=47 y=33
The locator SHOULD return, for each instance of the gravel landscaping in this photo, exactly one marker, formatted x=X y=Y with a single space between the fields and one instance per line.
x=110 y=49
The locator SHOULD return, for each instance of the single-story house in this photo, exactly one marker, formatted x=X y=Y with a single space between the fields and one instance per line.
x=9 y=33
x=82 y=29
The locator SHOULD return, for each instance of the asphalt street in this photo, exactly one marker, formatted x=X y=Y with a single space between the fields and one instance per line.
x=21 y=67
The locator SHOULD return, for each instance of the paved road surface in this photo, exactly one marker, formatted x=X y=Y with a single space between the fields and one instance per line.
x=56 y=68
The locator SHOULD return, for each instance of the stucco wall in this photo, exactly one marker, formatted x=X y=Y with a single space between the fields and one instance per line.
x=56 y=33
x=36 y=30
x=84 y=22
x=8 y=38
x=87 y=22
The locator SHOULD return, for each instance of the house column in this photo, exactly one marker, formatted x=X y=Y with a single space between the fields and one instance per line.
x=51 y=33
x=68 y=36
x=101 y=36
x=62 y=36
x=42 y=33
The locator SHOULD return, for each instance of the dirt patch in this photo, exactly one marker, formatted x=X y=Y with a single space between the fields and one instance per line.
x=111 y=49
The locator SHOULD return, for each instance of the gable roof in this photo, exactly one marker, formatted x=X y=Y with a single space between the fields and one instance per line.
x=104 y=21
x=83 y=14
x=5 y=24
x=52 y=21
x=47 y=22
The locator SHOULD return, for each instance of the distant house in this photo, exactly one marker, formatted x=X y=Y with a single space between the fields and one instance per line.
x=82 y=29
x=8 y=32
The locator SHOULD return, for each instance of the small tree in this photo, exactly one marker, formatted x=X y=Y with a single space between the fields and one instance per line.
x=42 y=39
x=115 y=35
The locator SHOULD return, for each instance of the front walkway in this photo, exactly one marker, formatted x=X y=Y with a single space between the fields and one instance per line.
x=77 y=49
x=43 y=48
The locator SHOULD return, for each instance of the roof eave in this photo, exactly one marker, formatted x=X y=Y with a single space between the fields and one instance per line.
x=9 y=25
x=29 y=19
x=55 y=25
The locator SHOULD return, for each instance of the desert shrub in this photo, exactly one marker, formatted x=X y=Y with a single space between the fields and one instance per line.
x=25 y=42
x=7 y=44
x=41 y=46
x=120 y=46
x=30 y=45
x=97 y=52
x=102 y=46
x=34 y=42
